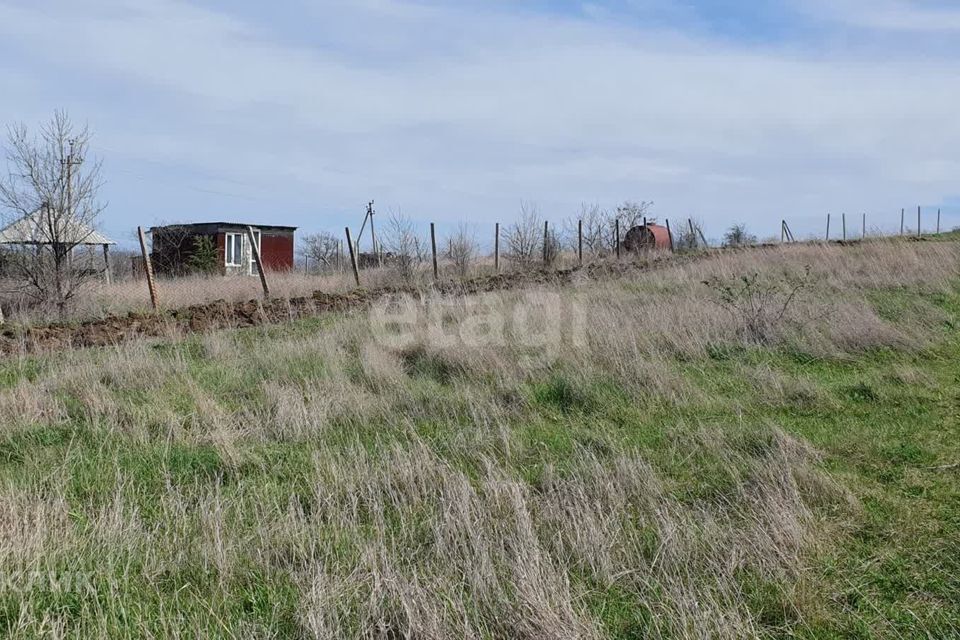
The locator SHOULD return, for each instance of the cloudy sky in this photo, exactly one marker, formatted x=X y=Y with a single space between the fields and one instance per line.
x=300 y=112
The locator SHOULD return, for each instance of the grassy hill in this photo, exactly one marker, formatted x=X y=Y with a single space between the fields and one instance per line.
x=762 y=444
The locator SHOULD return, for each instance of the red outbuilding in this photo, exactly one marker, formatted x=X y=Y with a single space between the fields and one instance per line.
x=180 y=249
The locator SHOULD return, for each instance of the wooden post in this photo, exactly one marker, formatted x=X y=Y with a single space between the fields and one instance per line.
x=938 y=221
x=148 y=268
x=496 y=247
x=546 y=238
x=902 y=212
x=863 y=235
x=255 y=250
x=107 y=276
x=580 y=241
x=616 y=235
x=433 y=246
x=693 y=234
x=783 y=230
x=843 y=217
x=828 y=227
x=670 y=235
x=353 y=257
x=919 y=231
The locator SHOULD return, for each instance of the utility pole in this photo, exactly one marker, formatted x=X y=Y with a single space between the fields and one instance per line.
x=69 y=163
x=373 y=235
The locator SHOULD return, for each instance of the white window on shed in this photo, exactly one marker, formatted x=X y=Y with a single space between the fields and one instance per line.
x=234 y=249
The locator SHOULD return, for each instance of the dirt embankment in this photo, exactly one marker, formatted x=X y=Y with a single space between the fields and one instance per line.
x=226 y=315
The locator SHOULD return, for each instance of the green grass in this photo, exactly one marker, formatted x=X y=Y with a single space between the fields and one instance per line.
x=885 y=422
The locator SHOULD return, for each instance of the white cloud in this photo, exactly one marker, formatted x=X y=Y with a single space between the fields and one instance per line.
x=890 y=15
x=461 y=112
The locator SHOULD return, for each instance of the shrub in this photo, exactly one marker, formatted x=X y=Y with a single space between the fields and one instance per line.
x=204 y=257
x=758 y=303
x=738 y=236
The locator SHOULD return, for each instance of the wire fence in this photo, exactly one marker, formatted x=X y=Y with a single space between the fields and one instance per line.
x=400 y=253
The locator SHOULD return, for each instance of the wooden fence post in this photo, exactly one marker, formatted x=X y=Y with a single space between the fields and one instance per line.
x=580 y=241
x=616 y=236
x=496 y=247
x=433 y=247
x=255 y=250
x=863 y=233
x=783 y=231
x=148 y=267
x=546 y=232
x=902 y=212
x=107 y=276
x=828 y=227
x=353 y=258
x=843 y=217
x=919 y=231
x=938 y=221
x=669 y=235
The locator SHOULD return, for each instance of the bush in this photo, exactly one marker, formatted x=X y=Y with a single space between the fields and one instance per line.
x=203 y=259
x=758 y=304
x=738 y=236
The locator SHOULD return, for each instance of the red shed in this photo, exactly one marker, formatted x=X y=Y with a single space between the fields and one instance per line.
x=649 y=236
x=177 y=249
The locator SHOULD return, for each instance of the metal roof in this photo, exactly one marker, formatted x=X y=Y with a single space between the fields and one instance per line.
x=30 y=230
x=242 y=225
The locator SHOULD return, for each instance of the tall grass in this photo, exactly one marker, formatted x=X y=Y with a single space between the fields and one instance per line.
x=324 y=480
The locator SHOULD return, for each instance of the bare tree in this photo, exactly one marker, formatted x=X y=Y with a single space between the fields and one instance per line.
x=600 y=225
x=595 y=224
x=404 y=251
x=53 y=187
x=320 y=249
x=462 y=249
x=629 y=215
x=524 y=237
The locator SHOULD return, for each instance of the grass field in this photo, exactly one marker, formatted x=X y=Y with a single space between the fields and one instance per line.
x=626 y=458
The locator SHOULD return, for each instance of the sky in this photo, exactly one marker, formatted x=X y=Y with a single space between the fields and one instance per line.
x=300 y=112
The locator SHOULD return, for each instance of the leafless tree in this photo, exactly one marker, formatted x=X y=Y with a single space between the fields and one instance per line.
x=171 y=244
x=320 y=249
x=524 y=237
x=403 y=246
x=53 y=185
x=629 y=215
x=600 y=225
x=462 y=249
x=595 y=224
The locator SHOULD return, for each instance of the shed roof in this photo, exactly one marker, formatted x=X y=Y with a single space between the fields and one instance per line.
x=242 y=225
x=31 y=230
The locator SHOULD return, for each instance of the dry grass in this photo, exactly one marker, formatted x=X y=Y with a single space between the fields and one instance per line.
x=334 y=483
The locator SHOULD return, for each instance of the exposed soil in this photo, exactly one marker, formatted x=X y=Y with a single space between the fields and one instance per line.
x=225 y=315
